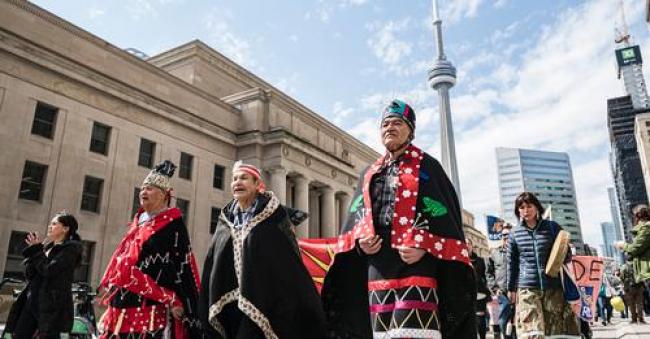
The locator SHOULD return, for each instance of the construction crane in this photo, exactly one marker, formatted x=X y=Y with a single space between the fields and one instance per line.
x=622 y=33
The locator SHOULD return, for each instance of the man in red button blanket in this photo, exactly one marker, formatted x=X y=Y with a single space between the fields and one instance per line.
x=402 y=268
x=152 y=279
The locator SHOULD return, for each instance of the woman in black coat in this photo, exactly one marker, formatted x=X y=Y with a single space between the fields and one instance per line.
x=45 y=306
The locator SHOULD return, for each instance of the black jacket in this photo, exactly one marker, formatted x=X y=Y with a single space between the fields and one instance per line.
x=479 y=270
x=48 y=291
x=481 y=280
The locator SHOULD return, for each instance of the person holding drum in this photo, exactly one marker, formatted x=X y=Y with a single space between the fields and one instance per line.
x=541 y=307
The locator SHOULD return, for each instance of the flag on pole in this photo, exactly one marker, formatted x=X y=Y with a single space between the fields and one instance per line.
x=548 y=213
x=494 y=227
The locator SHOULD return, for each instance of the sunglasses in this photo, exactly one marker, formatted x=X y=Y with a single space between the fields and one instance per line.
x=504 y=235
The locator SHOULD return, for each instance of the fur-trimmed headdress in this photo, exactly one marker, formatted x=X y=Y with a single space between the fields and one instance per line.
x=160 y=176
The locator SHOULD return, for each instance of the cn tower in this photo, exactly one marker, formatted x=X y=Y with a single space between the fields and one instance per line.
x=442 y=77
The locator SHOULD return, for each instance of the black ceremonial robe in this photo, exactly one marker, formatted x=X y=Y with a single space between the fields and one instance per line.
x=427 y=215
x=254 y=282
x=152 y=270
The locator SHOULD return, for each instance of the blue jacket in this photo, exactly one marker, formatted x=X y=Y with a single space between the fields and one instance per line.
x=528 y=252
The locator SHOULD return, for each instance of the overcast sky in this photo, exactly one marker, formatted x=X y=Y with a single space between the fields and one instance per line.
x=531 y=74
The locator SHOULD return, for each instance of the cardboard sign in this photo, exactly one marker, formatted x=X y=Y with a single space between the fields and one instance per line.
x=588 y=273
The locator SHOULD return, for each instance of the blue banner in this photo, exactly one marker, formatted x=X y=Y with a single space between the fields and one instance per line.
x=494 y=227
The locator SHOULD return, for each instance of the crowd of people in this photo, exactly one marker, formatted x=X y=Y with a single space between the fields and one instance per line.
x=402 y=266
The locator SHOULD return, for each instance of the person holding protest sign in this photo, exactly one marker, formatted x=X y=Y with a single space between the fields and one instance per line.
x=639 y=252
x=542 y=309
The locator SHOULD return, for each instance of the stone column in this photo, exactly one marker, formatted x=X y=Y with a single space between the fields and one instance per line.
x=328 y=219
x=301 y=199
x=278 y=183
x=343 y=209
x=315 y=210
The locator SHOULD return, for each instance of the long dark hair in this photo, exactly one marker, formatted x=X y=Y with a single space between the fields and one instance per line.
x=528 y=198
x=641 y=213
x=68 y=220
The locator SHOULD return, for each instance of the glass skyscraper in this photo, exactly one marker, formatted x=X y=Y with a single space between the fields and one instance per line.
x=610 y=235
x=549 y=176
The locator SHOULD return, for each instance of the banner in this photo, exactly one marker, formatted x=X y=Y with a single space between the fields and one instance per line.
x=588 y=273
x=494 y=227
x=317 y=255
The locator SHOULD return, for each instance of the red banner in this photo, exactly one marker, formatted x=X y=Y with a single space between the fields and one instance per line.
x=317 y=255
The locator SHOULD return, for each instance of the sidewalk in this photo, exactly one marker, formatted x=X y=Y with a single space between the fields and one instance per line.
x=621 y=328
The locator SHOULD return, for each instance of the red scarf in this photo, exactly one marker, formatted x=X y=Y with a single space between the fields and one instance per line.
x=405 y=230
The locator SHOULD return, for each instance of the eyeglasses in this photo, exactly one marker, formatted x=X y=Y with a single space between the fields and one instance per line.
x=505 y=235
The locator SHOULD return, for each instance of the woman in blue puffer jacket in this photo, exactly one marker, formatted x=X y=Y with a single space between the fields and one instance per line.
x=540 y=304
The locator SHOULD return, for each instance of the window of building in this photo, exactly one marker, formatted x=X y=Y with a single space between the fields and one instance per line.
x=44 y=120
x=147 y=152
x=217 y=179
x=14 y=267
x=31 y=186
x=135 y=205
x=185 y=168
x=82 y=272
x=91 y=197
x=214 y=218
x=184 y=206
x=100 y=138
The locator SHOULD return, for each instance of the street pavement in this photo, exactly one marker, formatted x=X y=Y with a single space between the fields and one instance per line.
x=621 y=328
x=618 y=329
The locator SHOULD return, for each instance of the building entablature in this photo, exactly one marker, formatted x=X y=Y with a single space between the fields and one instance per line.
x=263 y=106
x=97 y=62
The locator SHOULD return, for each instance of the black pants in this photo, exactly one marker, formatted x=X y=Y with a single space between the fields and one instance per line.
x=634 y=300
x=27 y=325
x=481 y=324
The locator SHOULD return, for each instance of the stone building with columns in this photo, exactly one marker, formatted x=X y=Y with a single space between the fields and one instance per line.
x=84 y=121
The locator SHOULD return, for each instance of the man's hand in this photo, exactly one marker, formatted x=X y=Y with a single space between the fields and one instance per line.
x=177 y=312
x=411 y=255
x=370 y=245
